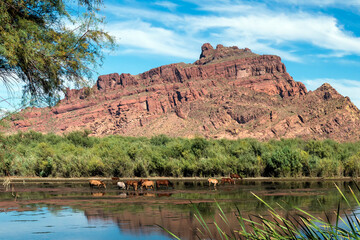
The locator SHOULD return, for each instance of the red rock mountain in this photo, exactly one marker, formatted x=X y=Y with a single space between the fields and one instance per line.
x=227 y=93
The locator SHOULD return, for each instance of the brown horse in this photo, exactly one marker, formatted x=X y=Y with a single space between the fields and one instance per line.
x=227 y=180
x=141 y=181
x=165 y=183
x=147 y=184
x=213 y=181
x=133 y=184
x=114 y=180
x=96 y=183
x=234 y=175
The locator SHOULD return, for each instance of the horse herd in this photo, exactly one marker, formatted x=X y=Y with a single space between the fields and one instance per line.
x=148 y=184
x=133 y=184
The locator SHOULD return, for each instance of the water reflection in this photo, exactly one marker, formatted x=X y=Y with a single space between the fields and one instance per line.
x=136 y=213
x=97 y=194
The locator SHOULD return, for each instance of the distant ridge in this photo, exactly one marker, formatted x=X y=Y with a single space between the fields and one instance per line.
x=227 y=93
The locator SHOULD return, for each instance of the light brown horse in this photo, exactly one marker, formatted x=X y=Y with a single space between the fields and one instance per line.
x=96 y=183
x=141 y=181
x=133 y=184
x=148 y=184
x=165 y=183
x=227 y=180
x=213 y=181
x=234 y=175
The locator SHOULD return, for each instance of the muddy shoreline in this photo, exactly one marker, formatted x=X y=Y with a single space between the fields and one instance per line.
x=261 y=179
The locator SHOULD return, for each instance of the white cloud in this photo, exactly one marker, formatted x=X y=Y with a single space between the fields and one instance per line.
x=134 y=13
x=141 y=36
x=169 y=5
x=322 y=3
x=10 y=91
x=345 y=87
x=3 y=112
x=280 y=28
x=244 y=24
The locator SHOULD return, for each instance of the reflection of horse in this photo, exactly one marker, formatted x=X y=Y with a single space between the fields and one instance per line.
x=149 y=194
x=227 y=180
x=234 y=175
x=213 y=181
x=121 y=185
x=133 y=184
x=96 y=183
x=132 y=194
x=165 y=183
x=122 y=195
x=147 y=184
x=97 y=194
x=163 y=194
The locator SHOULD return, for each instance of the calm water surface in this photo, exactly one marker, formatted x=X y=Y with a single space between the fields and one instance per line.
x=74 y=211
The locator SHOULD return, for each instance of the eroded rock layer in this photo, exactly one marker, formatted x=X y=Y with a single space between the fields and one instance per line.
x=227 y=93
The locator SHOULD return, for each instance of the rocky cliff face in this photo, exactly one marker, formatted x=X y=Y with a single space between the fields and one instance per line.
x=227 y=93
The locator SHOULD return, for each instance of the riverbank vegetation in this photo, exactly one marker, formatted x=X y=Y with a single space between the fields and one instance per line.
x=76 y=154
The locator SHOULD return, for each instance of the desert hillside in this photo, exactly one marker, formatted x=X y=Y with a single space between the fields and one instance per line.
x=227 y=93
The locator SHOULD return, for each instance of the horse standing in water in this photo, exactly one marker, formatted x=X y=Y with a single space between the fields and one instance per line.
x=227 y=180
x=134 y=184
x=165 y=183
x=141 y=181
x=121 y=185
x=96 y=183
x=213 y=181
x=234 y=175
x=148 y=184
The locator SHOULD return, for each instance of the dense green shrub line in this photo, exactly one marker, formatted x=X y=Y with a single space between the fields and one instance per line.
x=78 y=155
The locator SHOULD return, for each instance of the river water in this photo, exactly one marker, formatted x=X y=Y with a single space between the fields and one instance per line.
x=67 y=210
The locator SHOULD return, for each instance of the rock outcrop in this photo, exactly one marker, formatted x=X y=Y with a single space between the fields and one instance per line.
x=227 y=93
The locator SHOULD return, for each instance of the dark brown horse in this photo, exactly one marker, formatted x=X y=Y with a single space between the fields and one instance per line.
x=227 y=180
x=163 y=194
x=133 y=184
x=114 y=180
x=234 y=175
x=165 y=183
x=96 y=183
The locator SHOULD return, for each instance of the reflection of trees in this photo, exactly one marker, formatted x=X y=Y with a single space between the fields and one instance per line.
x=138 y=212
x=181 y=223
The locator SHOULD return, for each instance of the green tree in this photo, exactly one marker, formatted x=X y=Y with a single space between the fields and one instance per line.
x=38 y=47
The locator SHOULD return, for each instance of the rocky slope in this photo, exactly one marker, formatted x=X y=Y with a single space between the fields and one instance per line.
x=228 y=93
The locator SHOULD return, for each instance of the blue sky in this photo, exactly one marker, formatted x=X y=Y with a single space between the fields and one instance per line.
x=318 y=40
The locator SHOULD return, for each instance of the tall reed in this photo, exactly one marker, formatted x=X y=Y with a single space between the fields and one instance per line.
x=299 y=225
